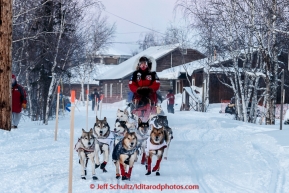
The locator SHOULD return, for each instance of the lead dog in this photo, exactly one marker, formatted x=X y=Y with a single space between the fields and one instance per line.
x=103 y=142
x=85 y=148
x=156 y=144
x=125 y=154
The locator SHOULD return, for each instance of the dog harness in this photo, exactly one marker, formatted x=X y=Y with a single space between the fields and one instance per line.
x=108 y=140
x=119 y=149
x=87 y=150
x=141 y=138
x=151 y=146
x=141 y=135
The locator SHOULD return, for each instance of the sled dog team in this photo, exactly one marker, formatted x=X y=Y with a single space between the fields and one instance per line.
x=130 y=138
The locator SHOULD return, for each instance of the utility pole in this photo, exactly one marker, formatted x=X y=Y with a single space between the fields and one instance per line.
x=5 y=63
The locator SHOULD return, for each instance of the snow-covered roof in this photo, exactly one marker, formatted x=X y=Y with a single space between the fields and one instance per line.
x=174 y=72
x=83 y=74
x=193 y=94
x=127 y=67
x=113 y=51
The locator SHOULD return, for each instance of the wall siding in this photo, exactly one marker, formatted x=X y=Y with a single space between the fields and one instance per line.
x=175 y=58
x=77 y=87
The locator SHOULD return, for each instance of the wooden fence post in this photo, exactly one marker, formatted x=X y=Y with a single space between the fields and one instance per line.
x=71 y=141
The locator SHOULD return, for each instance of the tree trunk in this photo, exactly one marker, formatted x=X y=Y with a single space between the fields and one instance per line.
x=53 y=80
x=5 y=63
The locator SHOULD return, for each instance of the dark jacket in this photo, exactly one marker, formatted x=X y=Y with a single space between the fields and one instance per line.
x=94 y=96
x=119 y=149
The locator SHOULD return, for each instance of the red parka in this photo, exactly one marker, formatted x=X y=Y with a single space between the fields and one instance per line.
x=171 y=98
x=18 y=98
x=145 y=78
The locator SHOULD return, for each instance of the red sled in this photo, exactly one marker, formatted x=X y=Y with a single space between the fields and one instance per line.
x=144 y=112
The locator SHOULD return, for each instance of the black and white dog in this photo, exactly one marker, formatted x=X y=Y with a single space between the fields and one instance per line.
x=120 y=125
x=142 y=134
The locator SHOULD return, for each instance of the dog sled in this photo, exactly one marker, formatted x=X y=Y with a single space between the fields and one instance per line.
x=143 y=111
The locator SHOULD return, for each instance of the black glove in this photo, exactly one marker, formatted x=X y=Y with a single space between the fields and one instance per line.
x=144 y=91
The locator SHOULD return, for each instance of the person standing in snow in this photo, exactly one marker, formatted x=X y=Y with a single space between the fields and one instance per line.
x=171 y=101
x=144 y=83
x=94 y=96
x=18 y=101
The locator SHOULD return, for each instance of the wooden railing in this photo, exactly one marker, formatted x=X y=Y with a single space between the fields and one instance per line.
x=113 y=99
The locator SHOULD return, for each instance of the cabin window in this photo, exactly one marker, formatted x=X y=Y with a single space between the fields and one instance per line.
x=184 y=51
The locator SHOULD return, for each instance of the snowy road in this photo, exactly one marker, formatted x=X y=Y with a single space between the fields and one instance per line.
x=209 y=150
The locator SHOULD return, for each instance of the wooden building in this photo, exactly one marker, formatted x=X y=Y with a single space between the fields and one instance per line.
x=217 y=91
x=114 y=83
x=102 y=61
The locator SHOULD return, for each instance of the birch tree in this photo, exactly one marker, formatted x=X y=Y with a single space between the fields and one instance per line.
x=46 y=36
x=149 y=39
x=98 y=35
x=244 y=31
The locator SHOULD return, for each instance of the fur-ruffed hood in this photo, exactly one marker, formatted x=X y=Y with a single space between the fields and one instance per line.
x=152 y=67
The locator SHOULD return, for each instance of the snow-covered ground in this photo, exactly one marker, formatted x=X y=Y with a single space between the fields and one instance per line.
x=209 y=151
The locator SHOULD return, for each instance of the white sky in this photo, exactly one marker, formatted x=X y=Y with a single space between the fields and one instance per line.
x=154 y=14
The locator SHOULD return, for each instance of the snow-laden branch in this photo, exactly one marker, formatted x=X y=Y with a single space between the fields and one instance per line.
x=281 y=31
x=34 y=37
x=15 y=17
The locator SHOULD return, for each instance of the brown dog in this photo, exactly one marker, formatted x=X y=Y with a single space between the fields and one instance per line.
x=156 y=144
x=124 y=154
